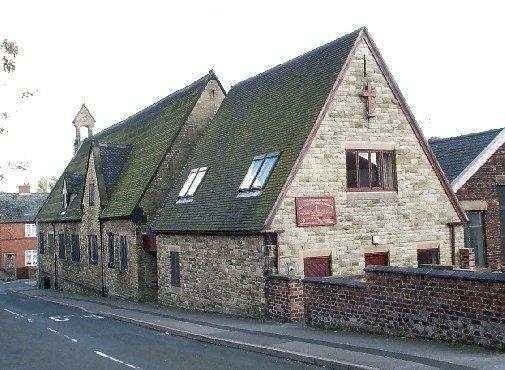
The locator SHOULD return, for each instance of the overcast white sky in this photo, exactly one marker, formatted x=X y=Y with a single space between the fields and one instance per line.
x=119 y=57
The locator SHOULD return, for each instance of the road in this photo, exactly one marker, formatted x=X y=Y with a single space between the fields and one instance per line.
x=42 y=335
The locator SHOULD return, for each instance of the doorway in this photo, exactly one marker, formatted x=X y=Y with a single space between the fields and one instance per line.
x=474 y=237
x=317 y=266
x=377 y=259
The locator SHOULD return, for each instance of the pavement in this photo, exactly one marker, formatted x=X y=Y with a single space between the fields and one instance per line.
x=295 y=342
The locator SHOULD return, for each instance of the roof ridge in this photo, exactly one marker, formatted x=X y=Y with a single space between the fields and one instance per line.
x=295 y=59
x=206 y=77
x=436 y=139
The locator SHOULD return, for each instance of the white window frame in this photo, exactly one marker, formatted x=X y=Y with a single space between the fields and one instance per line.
x=250 y=185
x=31 y=257
x=30 y=231
x=192 y=184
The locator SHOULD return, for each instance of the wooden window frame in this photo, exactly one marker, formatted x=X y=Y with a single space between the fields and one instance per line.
x=75 y=248
x=41 y=243
x=123 y=251
x=370 y=188
x=91 y=194
x=61 y=246
x=425 y=250
x=111 y=263
x=175 y=274
x=92 y=245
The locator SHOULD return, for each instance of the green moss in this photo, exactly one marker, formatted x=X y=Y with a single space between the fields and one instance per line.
x=150 y=134
x=274 y=111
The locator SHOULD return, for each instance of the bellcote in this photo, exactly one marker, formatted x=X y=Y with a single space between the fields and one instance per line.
x=82 y=119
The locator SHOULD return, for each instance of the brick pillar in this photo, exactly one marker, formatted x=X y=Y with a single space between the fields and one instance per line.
x=284 y=296
x=466 y=258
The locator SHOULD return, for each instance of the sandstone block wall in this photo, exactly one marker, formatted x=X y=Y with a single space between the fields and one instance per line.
x=457 y=306
x=415 y=215
x=482 y=186
x=218 y=273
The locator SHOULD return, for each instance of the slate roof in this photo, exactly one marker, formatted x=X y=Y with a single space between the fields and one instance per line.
x=273 y=111
x=454 y=154
x=149 y=133
x=15 y=207
x=112 y=160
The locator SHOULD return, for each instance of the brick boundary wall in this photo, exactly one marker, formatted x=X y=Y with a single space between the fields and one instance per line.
x=458 y=306
x=284 y=298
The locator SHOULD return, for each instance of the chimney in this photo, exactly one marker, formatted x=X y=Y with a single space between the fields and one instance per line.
x=82 y=119
x=24 y=189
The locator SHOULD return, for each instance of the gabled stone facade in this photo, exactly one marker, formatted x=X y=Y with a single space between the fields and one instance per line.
x=413 y=217
x=224 y=259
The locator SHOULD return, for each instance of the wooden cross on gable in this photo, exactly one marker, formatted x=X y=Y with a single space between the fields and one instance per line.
x=369 y=94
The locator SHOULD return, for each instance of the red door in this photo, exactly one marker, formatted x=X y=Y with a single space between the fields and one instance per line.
x=317 y=266
x=380 y=259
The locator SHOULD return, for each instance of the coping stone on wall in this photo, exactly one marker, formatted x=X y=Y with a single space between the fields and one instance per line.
x=329 y=280
x=455 y=274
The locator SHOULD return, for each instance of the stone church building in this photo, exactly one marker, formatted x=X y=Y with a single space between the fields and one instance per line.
x=93 y=229
x=315 y=167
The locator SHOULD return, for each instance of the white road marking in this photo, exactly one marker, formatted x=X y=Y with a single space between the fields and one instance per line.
x=72 y=339
x=115 y=359
x=54 y=331
x=12 y=312
x=92 y=316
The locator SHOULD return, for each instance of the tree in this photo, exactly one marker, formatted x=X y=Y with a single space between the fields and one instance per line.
x=46 y=184
x=8 y=52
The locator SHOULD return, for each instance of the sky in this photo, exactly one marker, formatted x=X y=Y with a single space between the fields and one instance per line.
x=119 y=57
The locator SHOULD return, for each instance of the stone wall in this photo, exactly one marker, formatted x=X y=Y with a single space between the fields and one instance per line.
x=217 y=273
x=284 y=297
x=415 y=216
x=482 y=186
x=457 y=306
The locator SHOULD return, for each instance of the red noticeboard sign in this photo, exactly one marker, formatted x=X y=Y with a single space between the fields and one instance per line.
x=315 y=211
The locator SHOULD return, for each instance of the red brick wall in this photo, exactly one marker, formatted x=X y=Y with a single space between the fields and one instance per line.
x=458 y=306
x=482 y=186
x=284 y=297
x=12 y=240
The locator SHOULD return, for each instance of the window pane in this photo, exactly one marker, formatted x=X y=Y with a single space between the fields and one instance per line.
x=196 y=182
x=388 y=170
x=264 y=172
x=364 y=180
x=251 y=174
x=375 y=169
x=350 y=157
x=188 y=183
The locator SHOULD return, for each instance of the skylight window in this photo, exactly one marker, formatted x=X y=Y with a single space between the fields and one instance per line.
x=192 y=183
x=258 y=173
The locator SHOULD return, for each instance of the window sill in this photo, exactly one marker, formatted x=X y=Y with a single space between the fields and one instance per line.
x=184 y=200
x=249 y=194
x=371 y=195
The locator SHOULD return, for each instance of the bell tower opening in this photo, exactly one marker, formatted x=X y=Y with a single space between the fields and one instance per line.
x=82 y=119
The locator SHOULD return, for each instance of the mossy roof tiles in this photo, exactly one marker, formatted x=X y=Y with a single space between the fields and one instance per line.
x=149 y=134
x=273 y=111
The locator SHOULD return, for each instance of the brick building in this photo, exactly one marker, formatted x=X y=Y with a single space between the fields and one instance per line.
x=18 y=234
x=315 y=167
x=93 y=228
x=475 y=166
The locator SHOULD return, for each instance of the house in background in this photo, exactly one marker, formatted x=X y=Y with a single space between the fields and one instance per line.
x=475 y=166
x=315 y=167
x=18 y=233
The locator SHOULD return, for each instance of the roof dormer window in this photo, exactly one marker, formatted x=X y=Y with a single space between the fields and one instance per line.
x=258 y=173
x=191 y=185
x=66 y=195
